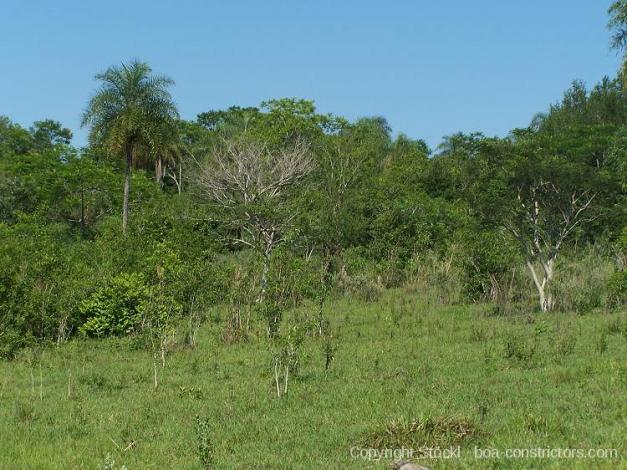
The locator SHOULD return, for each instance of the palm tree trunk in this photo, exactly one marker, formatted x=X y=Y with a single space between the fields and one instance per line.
x=127 y=186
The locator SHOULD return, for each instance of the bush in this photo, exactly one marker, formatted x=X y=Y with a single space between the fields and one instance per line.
x=114 y=309
x=361 y=287
x=42 y=281
x=617 y=290
x=485 y=261
x=204 y=443
x=436 y=276
x=272 y=314
x=293 y=278
x=11 y=342
x=581 y=281
x=519 y=347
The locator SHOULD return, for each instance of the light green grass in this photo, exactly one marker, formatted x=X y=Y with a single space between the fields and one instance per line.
x=397 y=360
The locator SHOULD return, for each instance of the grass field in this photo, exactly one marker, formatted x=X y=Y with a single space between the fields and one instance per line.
x=404 y=373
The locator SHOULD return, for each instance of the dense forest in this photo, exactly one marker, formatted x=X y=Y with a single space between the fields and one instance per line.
x=262 y=208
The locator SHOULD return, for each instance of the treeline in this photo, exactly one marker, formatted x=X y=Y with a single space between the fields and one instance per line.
x=258 y=209
x=371 y=211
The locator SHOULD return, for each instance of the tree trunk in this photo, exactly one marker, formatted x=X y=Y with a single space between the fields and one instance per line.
x=543 y=303
x=127 y=186
x=548 y=276
x=159 y=169
x=82 y=210
x=264 y=275
x=266 y=266
x=179 y=185
x=546 y=300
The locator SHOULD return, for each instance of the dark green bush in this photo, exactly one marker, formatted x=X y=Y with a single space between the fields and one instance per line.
x=293 y=277
x=272 y=314
x=114 y=309
x=486 y=260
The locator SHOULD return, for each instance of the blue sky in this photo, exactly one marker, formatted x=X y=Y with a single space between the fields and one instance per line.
x=430 y=67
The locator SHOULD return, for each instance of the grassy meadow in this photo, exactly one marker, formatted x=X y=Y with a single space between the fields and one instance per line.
x=402 y=372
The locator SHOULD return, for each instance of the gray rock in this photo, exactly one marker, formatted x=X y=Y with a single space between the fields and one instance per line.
x=401 y=465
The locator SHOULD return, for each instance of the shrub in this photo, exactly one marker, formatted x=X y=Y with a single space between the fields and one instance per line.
x=437 y=276
x=361 y=287
x=581 y=281
x=486 y=258
x=11 y=342
x=565 y=344
x=520 y=348
x=115 y=308
x=617 y=290
x=293 y=278
x=601 y=343
x=272 y=313
x=286 y=352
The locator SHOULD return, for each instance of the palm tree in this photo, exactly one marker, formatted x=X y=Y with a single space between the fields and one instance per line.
x=131 y=110
x=165 y=151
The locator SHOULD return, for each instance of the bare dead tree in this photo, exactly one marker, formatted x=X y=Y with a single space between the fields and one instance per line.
x=251 y=183
x=174 y=171
x=542 y=219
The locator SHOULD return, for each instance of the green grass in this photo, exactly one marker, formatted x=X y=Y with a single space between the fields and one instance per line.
x=404 y=373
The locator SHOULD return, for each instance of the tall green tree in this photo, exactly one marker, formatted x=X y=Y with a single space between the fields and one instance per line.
x=48 y=133
x=129 y=112
x=618 y=25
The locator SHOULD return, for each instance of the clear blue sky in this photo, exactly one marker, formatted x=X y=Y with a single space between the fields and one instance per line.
x=430 y=67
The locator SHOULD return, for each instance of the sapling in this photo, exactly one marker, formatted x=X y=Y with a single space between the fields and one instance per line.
x=323 y=323
x=41 y=383
x=195 y=319
x=157 y=315
x=32 y=376
x=286 y=356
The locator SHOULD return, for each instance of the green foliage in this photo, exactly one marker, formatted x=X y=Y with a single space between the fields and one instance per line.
x=14 y=140
x=520 y=348
x=115 y=308
x=565 y=343
x=361 y=287
x=618 y=24
x=271 y=313
x=204 y=443
x=487 y=260
x=132 y=106
x=362 y=211
x=617 y=290
x=293 y=278
x=49 y=133
x=375 y=212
